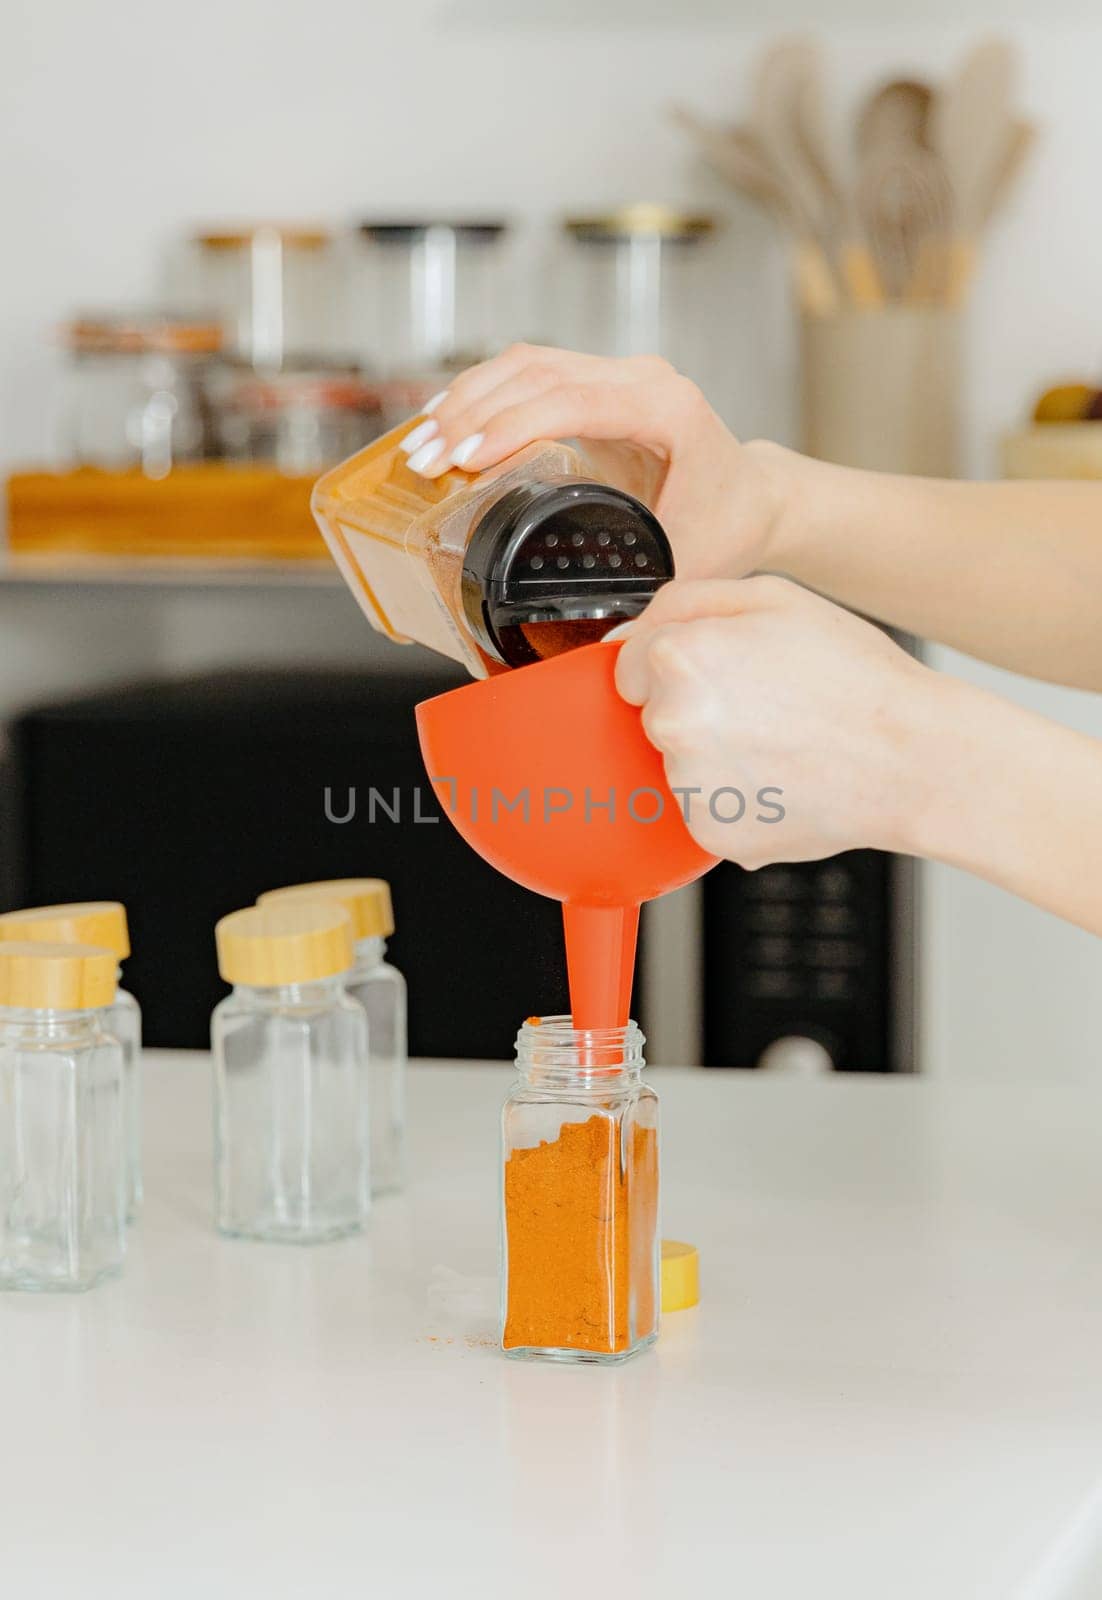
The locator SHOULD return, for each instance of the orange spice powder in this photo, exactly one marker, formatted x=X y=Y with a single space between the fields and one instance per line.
x=580 y=1231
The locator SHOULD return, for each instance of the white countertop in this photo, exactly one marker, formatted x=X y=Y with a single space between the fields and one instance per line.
x=892 y=1389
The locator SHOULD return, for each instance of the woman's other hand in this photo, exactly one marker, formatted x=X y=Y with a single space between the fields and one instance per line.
x=757 y=688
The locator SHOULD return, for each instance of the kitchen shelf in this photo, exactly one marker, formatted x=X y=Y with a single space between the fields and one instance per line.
x=70 y=571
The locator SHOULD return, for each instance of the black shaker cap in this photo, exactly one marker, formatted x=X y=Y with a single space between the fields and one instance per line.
x=561 y=551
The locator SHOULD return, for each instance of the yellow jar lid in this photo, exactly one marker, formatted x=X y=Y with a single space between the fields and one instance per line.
x=367 y=901
x=680 y=1275
x=271 y=945
x=99 y=922
x=40 y=976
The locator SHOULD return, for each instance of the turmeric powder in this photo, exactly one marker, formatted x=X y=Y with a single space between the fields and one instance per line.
x=581 y=1222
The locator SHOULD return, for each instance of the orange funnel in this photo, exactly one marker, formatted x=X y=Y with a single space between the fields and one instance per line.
x=547 y=773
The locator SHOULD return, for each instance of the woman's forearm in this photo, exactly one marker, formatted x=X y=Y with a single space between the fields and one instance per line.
x=1009 y=796
x=1009 y=572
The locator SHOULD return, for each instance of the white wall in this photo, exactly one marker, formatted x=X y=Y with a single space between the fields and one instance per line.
x=122 y=124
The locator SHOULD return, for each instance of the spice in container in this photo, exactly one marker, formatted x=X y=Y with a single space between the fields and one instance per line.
x=496 y=569
x=580 y=1261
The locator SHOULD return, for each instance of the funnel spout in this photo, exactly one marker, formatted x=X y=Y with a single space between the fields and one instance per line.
x=600 y=959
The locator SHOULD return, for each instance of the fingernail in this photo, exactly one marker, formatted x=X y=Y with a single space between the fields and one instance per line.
x=437 y=400
x=621 y=631
x=418 y=436
x=420 y=459
x=466 y=448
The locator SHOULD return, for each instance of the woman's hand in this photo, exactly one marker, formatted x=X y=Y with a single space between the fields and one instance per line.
x=717 y=499
x=757 y=688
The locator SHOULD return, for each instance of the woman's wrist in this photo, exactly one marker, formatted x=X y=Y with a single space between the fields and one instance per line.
x=943 y=745
x=790 y=497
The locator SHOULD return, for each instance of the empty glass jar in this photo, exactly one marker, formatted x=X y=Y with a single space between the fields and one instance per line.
x=62 y=1127
x=433 y=295
x=291 y=1077
x=381 y=990
x=580 y=1240
x=134 y=392
x=103 y=923
x=271 y=286
x=640 y=281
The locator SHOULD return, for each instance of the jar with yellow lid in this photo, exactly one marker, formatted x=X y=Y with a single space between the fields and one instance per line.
x=381 y=990
x=292 y=1118
x=62 y=1124
x=99 y=922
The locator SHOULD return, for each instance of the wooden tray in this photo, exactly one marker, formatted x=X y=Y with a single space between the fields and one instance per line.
x=211 y=511
x=1054 y=450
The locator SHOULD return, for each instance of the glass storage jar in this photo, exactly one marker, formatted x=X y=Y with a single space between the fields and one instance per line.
x=381 y=990
x=639 y=281
x=271 y=287
x=432 y=295
x=292 y=1129
x=62 y=1127
x=580 y=1239
x=300 y=421
x=103 y=923
x=134 y=392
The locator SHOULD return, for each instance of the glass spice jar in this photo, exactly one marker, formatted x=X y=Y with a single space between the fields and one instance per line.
x=62 y=1126
x=290 y=1048
x=381 y=990
x=580 y=1238
x=103 y=923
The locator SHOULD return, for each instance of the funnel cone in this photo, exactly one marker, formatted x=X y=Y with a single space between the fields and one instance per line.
x=547 y=773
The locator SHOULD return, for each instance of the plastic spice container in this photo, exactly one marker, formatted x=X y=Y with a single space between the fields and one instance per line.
x=292 y=1129
x=62 y=1127
x=381 y=990
x=271 y=287
x=488 y=567
x=134 y=392
x=103 y=923
x=580 y=1239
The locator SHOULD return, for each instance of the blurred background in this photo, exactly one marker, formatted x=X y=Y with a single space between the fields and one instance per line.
x=239 y=242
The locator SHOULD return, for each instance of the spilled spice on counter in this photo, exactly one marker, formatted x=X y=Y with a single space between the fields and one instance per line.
x=580 y=1236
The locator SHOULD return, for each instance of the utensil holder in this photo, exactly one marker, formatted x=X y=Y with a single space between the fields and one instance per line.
x=881 y=389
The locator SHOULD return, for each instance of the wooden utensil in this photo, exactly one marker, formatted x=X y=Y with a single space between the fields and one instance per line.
x=737 y=156
x=906 y=206
x=1016 y=152
x=972 y=126
x=855 y=263
x=895 y=114
x=776 y=121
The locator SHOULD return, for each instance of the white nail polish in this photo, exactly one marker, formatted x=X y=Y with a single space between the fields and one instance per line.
x=419 y=436
x=466 y=448
x=420 y=459
x=437 y=400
